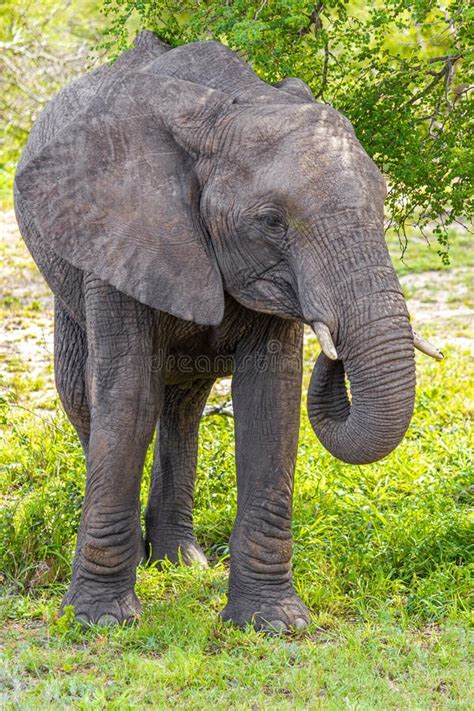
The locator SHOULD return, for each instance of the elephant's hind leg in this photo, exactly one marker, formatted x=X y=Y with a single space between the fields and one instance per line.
x=169 y=514
x=70 y=359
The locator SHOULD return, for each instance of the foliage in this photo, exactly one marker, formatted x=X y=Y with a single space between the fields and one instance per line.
x=44 y=46
x=399 y=69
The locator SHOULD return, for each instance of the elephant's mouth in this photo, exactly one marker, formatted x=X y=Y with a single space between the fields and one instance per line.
x=326 y=343
x=269 y=291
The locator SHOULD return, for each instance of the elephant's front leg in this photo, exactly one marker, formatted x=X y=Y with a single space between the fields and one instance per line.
x=266 y=393
x=123 y=395
x=169 y=514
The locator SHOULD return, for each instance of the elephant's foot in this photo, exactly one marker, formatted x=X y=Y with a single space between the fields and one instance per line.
x=93 y=608
x=268 y=612
x=104 y=569
x=175 y=547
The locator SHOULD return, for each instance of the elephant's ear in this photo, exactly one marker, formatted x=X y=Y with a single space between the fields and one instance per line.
x=116 y=195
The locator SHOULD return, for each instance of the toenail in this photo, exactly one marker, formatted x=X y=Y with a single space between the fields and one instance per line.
x=300 y=624
x=278 y=625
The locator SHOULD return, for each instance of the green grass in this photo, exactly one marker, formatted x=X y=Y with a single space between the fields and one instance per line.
x=422 y=255
x=382 y=556
x=181 y=656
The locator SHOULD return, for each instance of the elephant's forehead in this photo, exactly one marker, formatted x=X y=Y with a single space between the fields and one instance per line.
x=338 y=177
x=299 y=155
x=262 y=127
x=308 y=160
x=297 y=138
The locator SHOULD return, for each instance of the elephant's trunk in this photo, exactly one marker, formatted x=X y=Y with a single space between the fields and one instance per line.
x=375 y=347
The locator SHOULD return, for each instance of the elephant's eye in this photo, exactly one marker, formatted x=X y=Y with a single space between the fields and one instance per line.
x=273 y=223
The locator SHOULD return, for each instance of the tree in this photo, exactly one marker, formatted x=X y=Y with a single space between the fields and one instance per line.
x=399 y=69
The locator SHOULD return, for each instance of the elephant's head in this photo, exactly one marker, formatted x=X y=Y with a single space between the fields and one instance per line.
x=174 y=192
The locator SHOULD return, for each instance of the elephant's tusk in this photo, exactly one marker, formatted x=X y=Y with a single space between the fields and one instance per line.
x=324 y=337
x=426 y=347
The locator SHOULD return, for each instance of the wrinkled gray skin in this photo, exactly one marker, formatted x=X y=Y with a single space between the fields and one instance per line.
x=179 y=207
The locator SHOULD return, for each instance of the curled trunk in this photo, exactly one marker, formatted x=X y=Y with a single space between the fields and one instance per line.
x=378 y=359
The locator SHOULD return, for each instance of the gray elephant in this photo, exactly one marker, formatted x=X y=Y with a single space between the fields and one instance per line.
x=190 y=218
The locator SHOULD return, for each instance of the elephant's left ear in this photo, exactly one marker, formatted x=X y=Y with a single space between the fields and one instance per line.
x=115 y=193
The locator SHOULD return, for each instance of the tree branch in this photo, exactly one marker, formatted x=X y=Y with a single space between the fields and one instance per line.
x=315 y=16
x=324 y=76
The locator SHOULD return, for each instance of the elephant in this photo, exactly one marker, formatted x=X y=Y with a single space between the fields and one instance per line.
x=190 y=219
